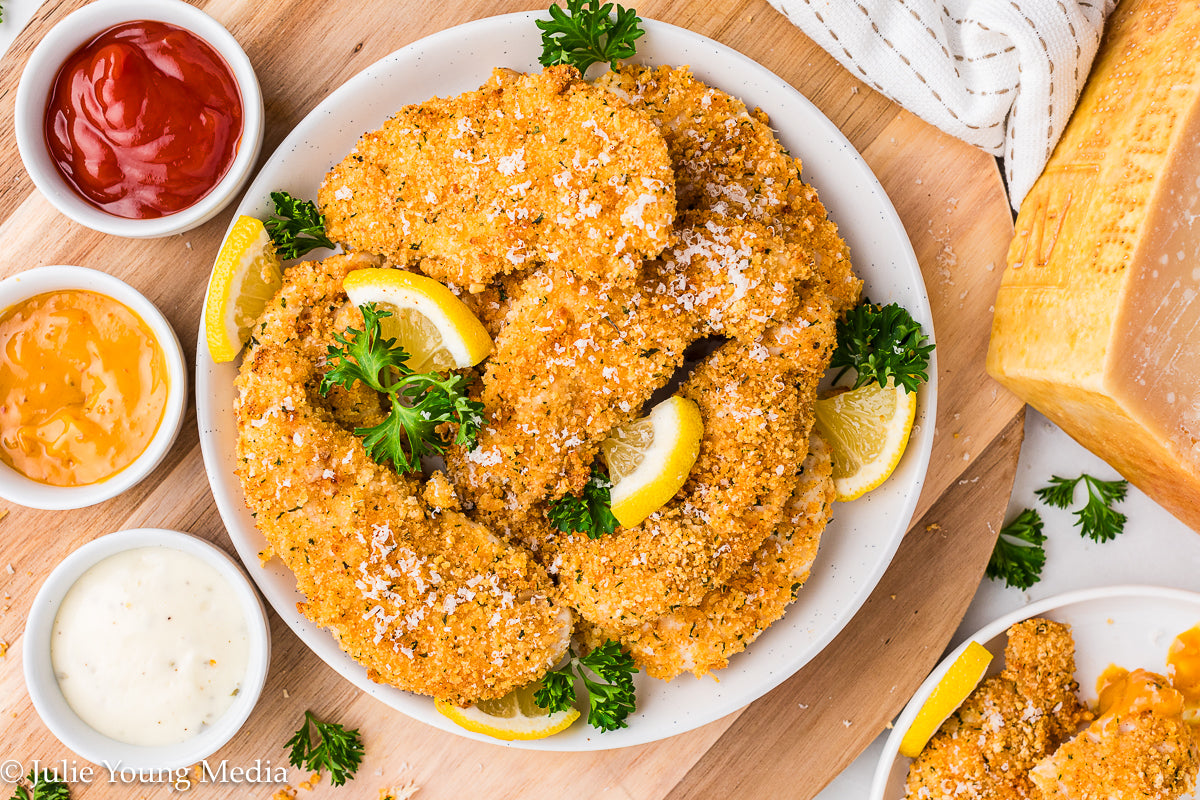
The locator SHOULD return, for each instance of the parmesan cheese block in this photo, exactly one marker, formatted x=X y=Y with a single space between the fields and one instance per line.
x=1097 y=322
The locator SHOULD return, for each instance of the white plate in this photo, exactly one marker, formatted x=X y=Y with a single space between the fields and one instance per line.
x=1130 y=626
x=864 y=535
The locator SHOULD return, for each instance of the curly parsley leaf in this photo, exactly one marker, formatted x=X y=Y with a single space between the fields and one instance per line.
x=607 y=675
x=587 y=33
x=1097 y=520
x=334 y=748
x=1059 y=493
x=297 y=227
x=42 y=786
x=1018 y=557
x=363 y=355
x=420 y=402
x=882 y=343
x=591 y=513
x=557 y=692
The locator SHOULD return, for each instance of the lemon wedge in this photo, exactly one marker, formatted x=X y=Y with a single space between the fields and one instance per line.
x=436 y=328
x=514 y=716
x=868 y=429
x=245 y=276
x=955 y=686
x=649 y=459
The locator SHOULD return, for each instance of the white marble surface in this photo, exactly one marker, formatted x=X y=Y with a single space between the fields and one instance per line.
x=17 y=14
x=1155 y=549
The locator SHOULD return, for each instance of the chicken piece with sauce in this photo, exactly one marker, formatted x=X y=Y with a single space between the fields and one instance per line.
x=1139 y=748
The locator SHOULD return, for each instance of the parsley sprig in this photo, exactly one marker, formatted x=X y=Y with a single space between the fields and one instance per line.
x=607 y=675
x=587 y=33
x=1018 y=556
x=882 y=342
x=591 y=513
x=333 y=748
x=42 y=786
x=1097 y=520
x=420 y=403
x=297 y=227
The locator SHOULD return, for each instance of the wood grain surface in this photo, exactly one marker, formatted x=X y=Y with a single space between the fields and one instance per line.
x=790 y=743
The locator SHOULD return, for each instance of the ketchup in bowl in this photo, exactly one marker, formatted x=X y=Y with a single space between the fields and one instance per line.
x=144 y=120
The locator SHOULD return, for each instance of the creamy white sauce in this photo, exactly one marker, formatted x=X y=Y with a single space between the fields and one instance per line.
x=150 y=646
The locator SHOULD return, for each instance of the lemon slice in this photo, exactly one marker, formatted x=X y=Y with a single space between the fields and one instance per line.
x=514 y=716
x=244 y=278
x=868 y=429
x=649 y=459
x=955 y=686
x=436 y=328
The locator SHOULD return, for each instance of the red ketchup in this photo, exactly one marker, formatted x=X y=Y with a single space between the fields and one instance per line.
x=144 y=120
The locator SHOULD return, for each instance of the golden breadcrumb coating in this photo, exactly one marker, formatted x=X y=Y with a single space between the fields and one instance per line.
x=432 y=603
x=1008 y=724
x=702 y=638
x=527 y=169
x=755 y=399
x=578 y=358
x=1140 y=748
x=727 y=159
x=493 y=305
x=549 y=206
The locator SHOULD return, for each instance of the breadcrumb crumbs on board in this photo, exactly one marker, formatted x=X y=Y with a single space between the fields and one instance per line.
x=399 y=792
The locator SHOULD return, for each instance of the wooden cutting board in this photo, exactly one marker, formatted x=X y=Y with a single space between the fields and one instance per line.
x=788 y=744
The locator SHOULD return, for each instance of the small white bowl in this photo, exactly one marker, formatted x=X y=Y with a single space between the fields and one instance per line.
x=77 y=29
x=48 y=698
x=19 y=489
x=1128 y=625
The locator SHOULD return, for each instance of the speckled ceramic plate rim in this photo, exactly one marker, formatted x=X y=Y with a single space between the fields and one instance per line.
x=1129 y=625
x=864 y=535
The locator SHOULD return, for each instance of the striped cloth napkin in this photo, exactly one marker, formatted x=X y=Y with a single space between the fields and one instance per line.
x=1002 y=75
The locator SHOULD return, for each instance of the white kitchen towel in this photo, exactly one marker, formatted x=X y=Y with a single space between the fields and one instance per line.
x=1003 y=75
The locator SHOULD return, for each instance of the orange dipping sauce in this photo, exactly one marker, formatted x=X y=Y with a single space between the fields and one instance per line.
x=1183 y=663
x=83 y=387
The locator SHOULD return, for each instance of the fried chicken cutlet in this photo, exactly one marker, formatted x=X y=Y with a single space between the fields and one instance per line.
x=431 y=603
x=526 y=170
x=727 y=159
x=577 y=359
x=1008 y=724
x=755 y=399
x=1140 y=748
x=703 y=637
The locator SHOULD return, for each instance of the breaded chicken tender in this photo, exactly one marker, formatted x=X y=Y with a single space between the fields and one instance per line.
x=430 y=602
x=755 y=399
x=1008 y=724
x=1140 y=748
x=727 y=160
x=527 y=170
x=578 y=358
x=702 y=638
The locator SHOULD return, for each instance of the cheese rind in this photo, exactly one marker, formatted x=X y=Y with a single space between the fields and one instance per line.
x=1097 y=322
